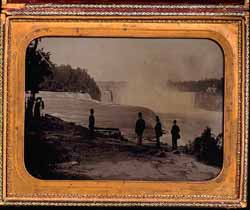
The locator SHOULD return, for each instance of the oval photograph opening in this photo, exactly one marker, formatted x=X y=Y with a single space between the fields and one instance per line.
x=124 y=109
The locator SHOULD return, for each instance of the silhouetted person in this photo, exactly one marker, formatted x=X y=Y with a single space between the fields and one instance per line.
x=29 y=108
x=38 y=106
x=42 y=106
x=158 y=130
x=92 y=123
x=139 y=128
x=175 y=131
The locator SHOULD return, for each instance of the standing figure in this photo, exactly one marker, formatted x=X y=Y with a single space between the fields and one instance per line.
x=139 y=128
x=92 y=124
x=38 y=106
x=29 y=107
x=41 y=107
x=175 y=131
x=158 y=131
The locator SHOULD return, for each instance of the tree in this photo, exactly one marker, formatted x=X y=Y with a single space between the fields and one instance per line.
x=68 y=79
x=209 y=148
x=38 y=66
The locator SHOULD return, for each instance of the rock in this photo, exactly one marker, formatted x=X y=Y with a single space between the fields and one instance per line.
x=177 y=152
x=123 y=138
x=66 y=164
x=167 y=150
x=161 y=154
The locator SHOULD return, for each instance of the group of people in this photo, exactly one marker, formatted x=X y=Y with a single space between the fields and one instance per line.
x=140 y=127
x=34 y=107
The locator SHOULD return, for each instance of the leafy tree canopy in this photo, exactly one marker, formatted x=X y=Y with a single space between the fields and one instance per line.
x=38 y=66
x=68 y=79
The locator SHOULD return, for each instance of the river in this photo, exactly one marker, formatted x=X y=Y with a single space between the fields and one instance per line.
x=74 y=107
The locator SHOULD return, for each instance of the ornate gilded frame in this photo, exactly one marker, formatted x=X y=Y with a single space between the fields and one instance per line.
x=226 y=25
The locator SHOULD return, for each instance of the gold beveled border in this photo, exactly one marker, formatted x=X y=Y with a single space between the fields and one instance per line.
x=64 y=9
x=1 y=104
x=199 y=198
x=26 y=45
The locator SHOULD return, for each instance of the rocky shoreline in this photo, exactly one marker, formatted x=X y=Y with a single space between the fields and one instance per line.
x=56 y=149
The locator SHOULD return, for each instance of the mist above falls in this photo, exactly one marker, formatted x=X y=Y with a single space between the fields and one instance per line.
x=157 y=97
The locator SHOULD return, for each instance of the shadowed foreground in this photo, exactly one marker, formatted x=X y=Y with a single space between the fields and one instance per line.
x=60 y=150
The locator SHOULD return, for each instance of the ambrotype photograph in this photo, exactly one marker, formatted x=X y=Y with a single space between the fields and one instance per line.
x=145 y=109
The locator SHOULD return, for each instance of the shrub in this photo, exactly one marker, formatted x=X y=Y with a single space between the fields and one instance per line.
x=208 y=148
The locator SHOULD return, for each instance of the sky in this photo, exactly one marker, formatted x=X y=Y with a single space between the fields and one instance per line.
x=122 y=59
